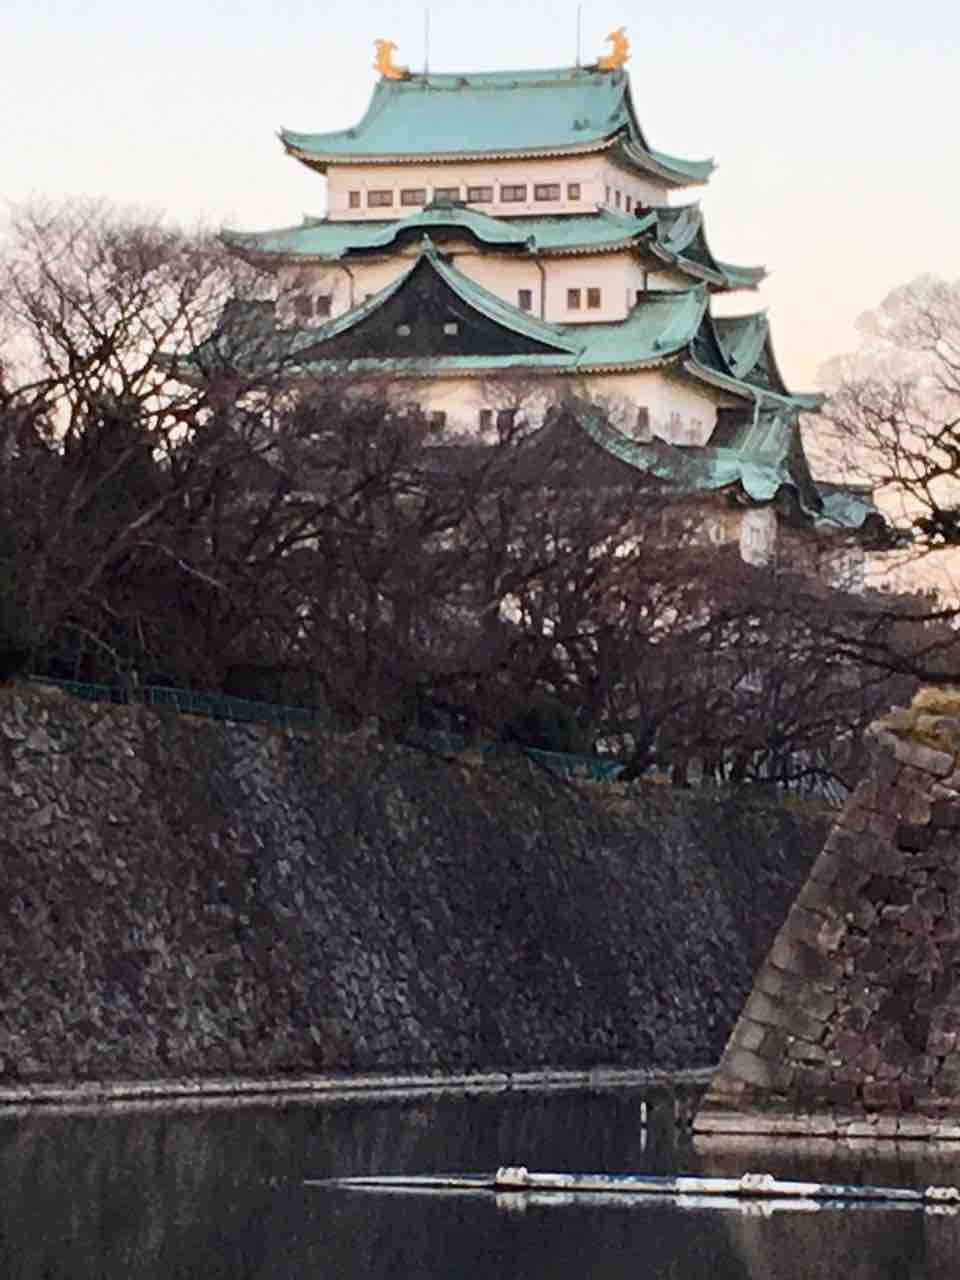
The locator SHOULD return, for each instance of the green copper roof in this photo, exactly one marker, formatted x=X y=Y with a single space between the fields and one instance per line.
x=742 y=339
x=762 y=454
x=663 y=327
x=681 y=240
x=748 y=347
x=496 y=113
x=674 y=236
x=659 y=326
x=318 y=238
x=758 y=448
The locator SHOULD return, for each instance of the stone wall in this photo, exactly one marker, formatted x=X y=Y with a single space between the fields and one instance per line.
x=184 y=898
x=853 y=1025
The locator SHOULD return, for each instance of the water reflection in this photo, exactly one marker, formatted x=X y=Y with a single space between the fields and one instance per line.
x=220 y=1192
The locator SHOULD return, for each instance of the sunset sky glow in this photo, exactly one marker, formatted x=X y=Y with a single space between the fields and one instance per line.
x=833 y=126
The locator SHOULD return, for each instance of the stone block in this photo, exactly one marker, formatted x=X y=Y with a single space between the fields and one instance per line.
x=914 y=807
x=912 y=839
x=750 y=1035
x=882 y=825
x=748 y=1068
x=815 y=896
x=804 y=926
x=881 y=1095
x=831 y=935
x=792 y=1018
x=866 y=794
x=843 y=1093
x=800 y=959
x=945 y=813
x=940 y=764
x=801 y=1053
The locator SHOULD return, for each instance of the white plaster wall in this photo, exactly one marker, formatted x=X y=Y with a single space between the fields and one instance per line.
x=633 y=190
x=668 y=280
x=619 y=276
x=504 y=276
x=758 y=535
x=595 y=173
x=679 y=412
x=312 y=280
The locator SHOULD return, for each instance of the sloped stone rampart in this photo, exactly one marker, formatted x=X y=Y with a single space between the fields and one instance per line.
x=853 y=1025
x=182 y=898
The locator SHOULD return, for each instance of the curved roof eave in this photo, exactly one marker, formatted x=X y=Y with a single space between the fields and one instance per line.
x=682 y=232
x=537 y=236
x=742 y=339
x=748 y=391
x=672 y=170
x=321 y=162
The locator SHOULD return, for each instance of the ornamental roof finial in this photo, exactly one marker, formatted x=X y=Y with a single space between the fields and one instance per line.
x=385 y=64
x=618 y=54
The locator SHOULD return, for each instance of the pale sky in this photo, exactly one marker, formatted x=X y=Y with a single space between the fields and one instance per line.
x=834 y=124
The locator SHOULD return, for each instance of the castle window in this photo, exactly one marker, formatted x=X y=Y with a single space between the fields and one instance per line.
x=628 y=203
x=616 y=198
x=643 y=423
x=546 y=191
x=479 y=195
x=446 y=193
x=323 y=305
x=639 y=298
x=505 y=419
x=379 y=199
x=608 y=195
x=485 y=419
x=438 y=419
x=573 y=299
x=573 y=190
x=451 y=328
x=513 y=193
x=403 y=331
x=525 y=299
x=353 y=199
x=302 y=306
x=594 y=299
x=413 y=195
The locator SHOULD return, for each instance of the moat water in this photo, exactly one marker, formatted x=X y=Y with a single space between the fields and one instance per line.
x=220 y=1192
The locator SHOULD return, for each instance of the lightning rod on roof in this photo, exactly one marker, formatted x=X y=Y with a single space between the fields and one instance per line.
x=426 y=42
x=579 y=22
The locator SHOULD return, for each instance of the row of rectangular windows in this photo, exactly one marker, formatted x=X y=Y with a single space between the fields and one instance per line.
x=506 y=418
x=575 y=299
x=510 y=193
x=320 y=305
x=621 y=201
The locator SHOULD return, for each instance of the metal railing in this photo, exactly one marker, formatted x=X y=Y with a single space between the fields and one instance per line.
x=216 y=706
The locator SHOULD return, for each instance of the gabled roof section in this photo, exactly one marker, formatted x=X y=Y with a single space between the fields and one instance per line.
x=496 y=114
x=535 y=336
x=661 y=326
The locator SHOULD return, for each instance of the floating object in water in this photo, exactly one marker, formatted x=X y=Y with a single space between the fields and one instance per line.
x=751 y=1186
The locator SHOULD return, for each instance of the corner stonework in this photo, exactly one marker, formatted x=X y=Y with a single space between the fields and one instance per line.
x=853 y=1025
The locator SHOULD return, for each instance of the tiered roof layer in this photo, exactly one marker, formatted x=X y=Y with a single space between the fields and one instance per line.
x=497 y=115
